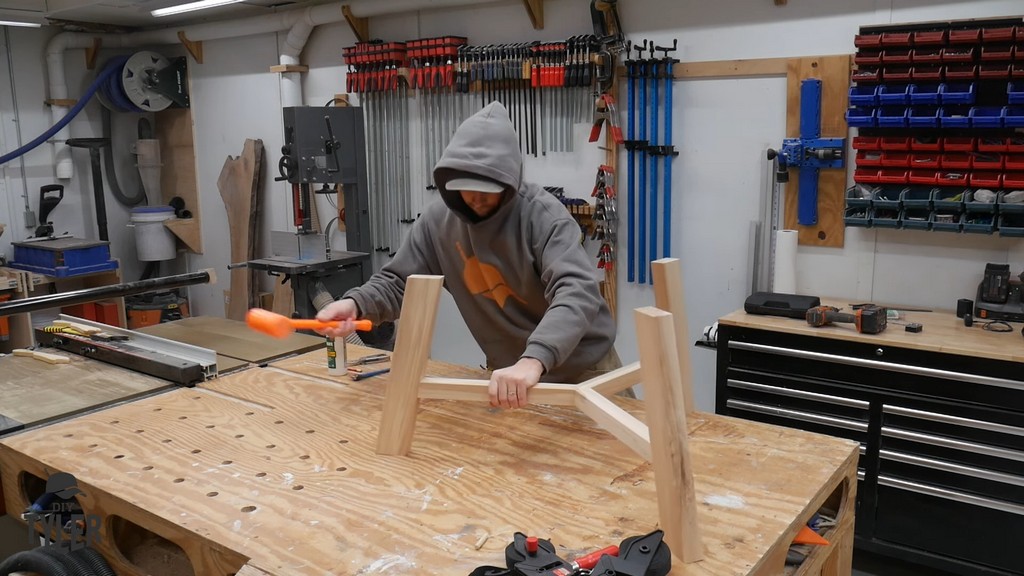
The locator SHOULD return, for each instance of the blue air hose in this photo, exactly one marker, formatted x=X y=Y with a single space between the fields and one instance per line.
x=104 y=76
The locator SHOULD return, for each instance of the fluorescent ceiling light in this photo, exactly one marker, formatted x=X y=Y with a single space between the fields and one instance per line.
x=25 y=24
x=202 y=4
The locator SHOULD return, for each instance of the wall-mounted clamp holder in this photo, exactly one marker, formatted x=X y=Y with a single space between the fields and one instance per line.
x=810 y=153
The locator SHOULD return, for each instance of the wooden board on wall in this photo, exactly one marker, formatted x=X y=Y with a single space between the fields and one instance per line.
x=178 y=176
x=239 y=188
x=834 y=72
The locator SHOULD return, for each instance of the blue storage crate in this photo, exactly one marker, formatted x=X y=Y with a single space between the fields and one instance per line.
x=863 y=95
x=1011 y=225
x=63 y=257
x=949 y=199
x=859 y=216
x=1013 y=116
x=946 y=221
x=974 y=204
x=892 y=117
x=885 y=218
x=860 y=117
x=860 y=195
x=917 y=198
x=986 y=117
x=924 y=94
x=894 y=94
x=923 y=117
x=957 y=93
x=886 y=198
x=1015 y=90
x=1005 y=207
x=954 y=117
x=979 y=223
x=916 y=219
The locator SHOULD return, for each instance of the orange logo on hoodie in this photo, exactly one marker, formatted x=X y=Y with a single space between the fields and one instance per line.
x=485 y=279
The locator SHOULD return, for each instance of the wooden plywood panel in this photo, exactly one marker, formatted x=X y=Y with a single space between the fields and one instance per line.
x=834 y=72
x=233 y=339
x=32 y=391
x=178 y=176
x=281 y=469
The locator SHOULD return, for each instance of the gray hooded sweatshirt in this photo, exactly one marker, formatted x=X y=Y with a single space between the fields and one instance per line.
x=522 y=281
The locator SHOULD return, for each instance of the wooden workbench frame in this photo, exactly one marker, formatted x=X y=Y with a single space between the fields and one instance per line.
x=663 y=441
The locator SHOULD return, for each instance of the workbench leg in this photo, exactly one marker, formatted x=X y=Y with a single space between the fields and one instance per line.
x=668 y=296
x=666 y=418
x=409 y=364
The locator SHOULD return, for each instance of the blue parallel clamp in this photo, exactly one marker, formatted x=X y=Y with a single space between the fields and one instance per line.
x=810 y=153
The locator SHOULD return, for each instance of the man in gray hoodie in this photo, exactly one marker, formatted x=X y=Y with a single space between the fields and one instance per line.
x=512 y=260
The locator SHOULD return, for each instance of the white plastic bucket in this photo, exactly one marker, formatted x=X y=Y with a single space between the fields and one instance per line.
x=153 y=241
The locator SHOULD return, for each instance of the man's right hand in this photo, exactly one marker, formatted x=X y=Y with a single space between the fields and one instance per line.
x=344 y=311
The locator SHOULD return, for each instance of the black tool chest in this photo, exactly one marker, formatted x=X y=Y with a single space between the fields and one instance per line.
x=942 y=437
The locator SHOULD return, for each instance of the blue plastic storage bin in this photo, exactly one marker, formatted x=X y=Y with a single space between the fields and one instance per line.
x=63 y=257
x=861 y=117
x=917 y=198
x=916 y=219
x=986 y=117
x=859 y=216
x=957 y=93
x=863 y=95
x=882 y=218
x=924 y=94
x=1015 y=90
x=954 y=117
x=894 y=94
x=1013 y=116
x=892 y=117
x=923 y=117
x=946 y=222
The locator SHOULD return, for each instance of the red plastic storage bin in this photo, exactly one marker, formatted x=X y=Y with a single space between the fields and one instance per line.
x=867 y=40
x=923 y=177
x=925 y=161
x=897 y=56
x=1000 y=34
x=987 y=161
x=951 y=178
x=961 y=72
x=1017 y=70
x=930 y=38
x=869 y=158
x=956 y=161
x=927 y=55
x=867 y=143
x=955 y=54
x=866 y=176
x=897 y=38
x=997 y=52
x=958 y=144
x=992 y=144
x=1013 y=180
x=965 y=36
x=926 y=144
x=892 y=176
x=926 y=73
x=896 y=74
x=868 y=58
x=895 y=143
x=1015 y=144
x=986 y=179
x=994 y=71
x=896 y=159
x=1014 y=162
x=866 y=75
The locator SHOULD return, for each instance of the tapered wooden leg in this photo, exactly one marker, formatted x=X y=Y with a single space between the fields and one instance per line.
x=666 y=418
x=409 y=364
x=668 y=296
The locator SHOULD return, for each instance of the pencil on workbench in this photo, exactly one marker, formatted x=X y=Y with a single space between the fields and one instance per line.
x=356 y=376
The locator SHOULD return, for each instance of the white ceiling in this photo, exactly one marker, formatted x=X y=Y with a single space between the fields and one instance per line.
x=79 y=14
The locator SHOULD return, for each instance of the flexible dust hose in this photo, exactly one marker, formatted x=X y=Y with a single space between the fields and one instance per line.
x=32 y=561
x=100 y=80
x=95 y=560
x=74 y=565
x=108 y=165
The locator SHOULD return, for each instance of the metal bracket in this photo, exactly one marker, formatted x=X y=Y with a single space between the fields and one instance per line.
x=810 y=152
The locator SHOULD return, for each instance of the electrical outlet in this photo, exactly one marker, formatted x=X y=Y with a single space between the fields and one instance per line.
x=30 y=219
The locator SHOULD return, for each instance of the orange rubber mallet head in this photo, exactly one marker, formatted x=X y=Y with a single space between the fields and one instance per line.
x=280 y=326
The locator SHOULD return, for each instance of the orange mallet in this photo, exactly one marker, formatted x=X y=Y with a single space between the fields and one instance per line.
x=280 y=326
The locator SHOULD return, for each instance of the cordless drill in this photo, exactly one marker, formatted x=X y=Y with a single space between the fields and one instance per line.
x=869 y=319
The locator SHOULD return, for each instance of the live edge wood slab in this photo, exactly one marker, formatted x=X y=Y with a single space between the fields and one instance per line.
x=274 y=469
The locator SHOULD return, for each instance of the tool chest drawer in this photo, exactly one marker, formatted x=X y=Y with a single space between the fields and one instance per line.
x=805 y=395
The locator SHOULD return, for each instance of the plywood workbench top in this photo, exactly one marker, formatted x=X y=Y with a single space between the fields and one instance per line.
x=275 y=467
x=943 y=332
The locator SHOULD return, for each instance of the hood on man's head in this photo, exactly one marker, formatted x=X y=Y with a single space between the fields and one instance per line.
x=484 y=148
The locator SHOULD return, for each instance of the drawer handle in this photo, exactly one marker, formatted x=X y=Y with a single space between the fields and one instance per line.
x=952 y=467
x=955 y=420
x=878 y=365
x=803 y=394
x=951 y=495
x=953 y=443
x=798 y=415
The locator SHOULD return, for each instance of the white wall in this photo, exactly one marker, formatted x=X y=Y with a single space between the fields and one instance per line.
x=721 y=130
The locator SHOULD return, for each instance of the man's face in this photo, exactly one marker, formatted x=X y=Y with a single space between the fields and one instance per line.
x=483 y=204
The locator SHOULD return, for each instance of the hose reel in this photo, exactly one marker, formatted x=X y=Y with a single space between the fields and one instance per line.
x=146 y=82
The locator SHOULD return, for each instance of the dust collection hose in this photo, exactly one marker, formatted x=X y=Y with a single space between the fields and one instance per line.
x=49 y=561
x=103 y=78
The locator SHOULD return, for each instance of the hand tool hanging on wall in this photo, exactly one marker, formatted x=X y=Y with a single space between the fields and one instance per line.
x=666 y=150
x=652 y=143
x=631 y=146
x=641 y=118
x=605 y=217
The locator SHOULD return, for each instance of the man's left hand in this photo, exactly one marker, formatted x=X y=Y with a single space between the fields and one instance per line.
x=508 y=386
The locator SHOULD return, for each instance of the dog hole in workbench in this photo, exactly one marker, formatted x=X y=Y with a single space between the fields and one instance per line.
x=342 y=441
x=139 y=431
x=304 y=457
x=148 y=553
x=68 y=435
x=298 y=487
x=119 y=456
x=248 y=508
x=115 y=421
x=196 y=397
x=211 y=494
x=166 y=440
x=211 y=425
x=271 y=446
x=93 y=445
x=179 y=480
x=249 y=413
x=239 y=435
x=310 y=431
x=157 y=409
x=147 y=467
x=196 y=451
x=261 y=474
x=182 y=417
x=278 y=421
x=340 y=469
